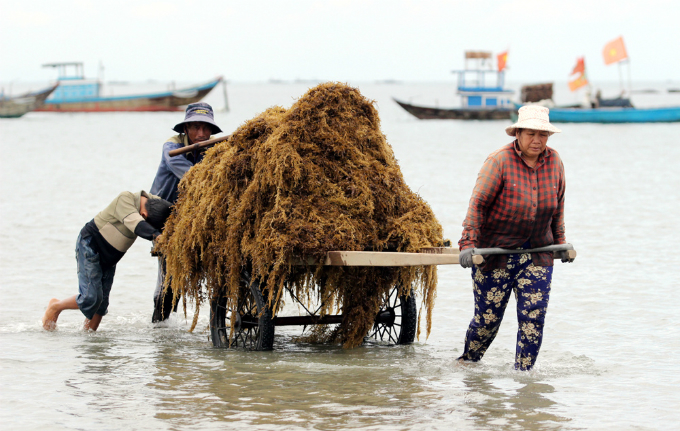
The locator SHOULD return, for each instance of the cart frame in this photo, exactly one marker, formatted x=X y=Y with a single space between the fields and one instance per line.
x=395 y=323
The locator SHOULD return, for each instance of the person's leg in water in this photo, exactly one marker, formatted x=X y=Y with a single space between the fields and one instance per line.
x=92 y=324
x=162 y=299
x=532 y=294
x=94 y=286
x=492 y=292
x=106 y=284
x=56 y=306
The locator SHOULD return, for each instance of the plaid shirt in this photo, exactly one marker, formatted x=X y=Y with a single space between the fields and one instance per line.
x=513 y=203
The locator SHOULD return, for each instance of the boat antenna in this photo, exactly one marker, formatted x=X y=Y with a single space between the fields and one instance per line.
x=615 y=52
x=101 y=76
x=224 y=91
x=630 y=85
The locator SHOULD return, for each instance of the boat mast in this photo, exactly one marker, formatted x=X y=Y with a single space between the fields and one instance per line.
x=226 y=99
x=100 y=77
x=630 y=85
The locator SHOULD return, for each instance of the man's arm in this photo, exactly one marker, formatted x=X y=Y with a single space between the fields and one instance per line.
x=146 y=231
x=178 y=165
x=128 y=214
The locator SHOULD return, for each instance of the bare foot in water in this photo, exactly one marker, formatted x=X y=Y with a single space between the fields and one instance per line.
x=49 y=320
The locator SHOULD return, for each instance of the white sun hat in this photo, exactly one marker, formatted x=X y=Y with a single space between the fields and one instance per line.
x=532 y=117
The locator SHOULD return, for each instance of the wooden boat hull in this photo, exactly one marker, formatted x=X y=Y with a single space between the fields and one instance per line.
x=15 y=107
x=166 y=101
x=615 y=115
x=428 y=113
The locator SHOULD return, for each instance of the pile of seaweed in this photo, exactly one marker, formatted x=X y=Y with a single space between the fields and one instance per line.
x=294 y=184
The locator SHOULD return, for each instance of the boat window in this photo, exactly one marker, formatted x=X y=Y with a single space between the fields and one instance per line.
x=474 y=100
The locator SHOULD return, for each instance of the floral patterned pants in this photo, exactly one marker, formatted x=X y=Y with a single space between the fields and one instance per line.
x=531 y=285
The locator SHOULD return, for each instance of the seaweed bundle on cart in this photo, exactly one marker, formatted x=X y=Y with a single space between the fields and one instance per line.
x=289 y=186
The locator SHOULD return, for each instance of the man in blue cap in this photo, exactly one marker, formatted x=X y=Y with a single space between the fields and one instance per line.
x=198 y=126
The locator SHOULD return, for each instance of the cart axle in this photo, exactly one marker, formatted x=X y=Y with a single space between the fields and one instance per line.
x=385 y=317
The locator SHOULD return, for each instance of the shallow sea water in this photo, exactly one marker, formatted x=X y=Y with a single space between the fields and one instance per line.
x=609 y=358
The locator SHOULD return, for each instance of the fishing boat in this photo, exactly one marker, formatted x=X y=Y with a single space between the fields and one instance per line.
x=615 y=115
x=78 y=94
x=16 y=106
x=479 y=101
x=600 y=110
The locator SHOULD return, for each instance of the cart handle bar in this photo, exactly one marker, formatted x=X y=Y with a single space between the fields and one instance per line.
x=490 y=251
x=200 y=146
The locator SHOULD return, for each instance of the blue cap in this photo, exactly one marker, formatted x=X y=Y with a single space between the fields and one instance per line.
x=198 y=112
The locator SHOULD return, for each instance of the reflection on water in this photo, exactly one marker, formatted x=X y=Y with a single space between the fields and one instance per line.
x=323 y=386
x=512 y=404
x=182 y=382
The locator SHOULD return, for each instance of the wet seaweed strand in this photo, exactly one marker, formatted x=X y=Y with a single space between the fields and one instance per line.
x=319 y=176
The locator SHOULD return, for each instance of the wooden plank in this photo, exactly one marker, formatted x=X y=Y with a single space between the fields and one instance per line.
x=386 y=258
x=477 y=54
x=440 y=250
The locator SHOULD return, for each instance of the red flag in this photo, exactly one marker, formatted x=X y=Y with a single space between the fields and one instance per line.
x=580 y=66
x=502 y=60
x=614 y=51
x=578 y=82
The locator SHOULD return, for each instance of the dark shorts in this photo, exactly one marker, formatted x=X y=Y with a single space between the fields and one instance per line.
x=94 y=284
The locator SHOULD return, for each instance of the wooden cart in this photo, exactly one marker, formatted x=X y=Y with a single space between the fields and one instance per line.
x=395 y=323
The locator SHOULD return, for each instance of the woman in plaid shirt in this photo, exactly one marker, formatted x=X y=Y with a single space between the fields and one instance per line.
x=517 y=203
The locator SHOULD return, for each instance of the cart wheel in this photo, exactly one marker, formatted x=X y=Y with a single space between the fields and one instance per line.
x=397 y=320
x=253 y=328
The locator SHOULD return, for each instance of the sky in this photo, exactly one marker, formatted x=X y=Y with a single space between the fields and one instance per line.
x=339 y=40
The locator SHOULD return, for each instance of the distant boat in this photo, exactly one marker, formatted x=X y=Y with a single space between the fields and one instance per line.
x=15 y=107
x=430 y=113
x=479 y=101
x=77 y=94
x=615 y=115
x=597 y=109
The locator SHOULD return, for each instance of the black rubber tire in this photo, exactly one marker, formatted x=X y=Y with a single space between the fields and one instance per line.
x=401 y=323
x=254 y=327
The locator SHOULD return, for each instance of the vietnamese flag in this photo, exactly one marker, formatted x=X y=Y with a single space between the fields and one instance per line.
x=580 y=66
x=578 y=82
x=502 y=60
x=614 y=51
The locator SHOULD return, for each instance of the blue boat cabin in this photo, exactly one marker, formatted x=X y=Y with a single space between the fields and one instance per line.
x=472 y=85
x=74 y=86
